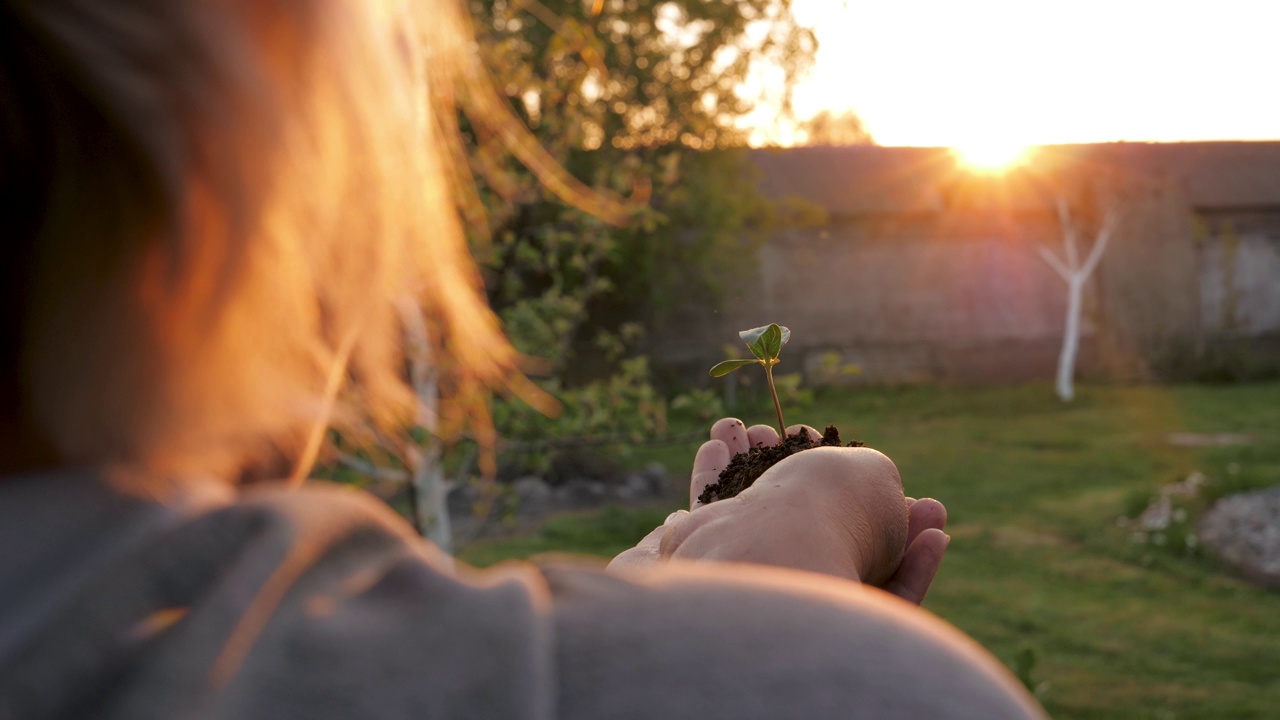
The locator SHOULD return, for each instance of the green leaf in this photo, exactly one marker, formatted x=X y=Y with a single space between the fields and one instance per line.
x=750 y=336
x=766 y=341
x=752 y=339
x=771 y=341
x=728 y=366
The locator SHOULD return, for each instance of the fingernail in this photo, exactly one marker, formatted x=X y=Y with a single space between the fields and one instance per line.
x=948 y=541
x=674 y=515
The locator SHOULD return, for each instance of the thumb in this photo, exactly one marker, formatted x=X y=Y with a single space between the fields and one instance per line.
x=711 y=459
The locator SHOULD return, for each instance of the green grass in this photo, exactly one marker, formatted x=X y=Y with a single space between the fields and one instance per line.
x=1038 y=566
x=605 y=533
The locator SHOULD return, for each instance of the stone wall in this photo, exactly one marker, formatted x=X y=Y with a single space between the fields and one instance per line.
x=1239 y=261
x=914 y=299
x=1239 y=257
x=922 y=274
x=962 y=300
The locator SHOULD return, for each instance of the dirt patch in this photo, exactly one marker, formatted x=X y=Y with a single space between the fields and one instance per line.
x=745 y=468
x=1186 y=439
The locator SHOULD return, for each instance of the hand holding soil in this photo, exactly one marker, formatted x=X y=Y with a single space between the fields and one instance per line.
x=833 y=510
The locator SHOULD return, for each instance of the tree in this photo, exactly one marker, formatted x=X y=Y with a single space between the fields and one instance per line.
x=1075 y=272
x=835 y=129
x=628 y=96
x=579 y=135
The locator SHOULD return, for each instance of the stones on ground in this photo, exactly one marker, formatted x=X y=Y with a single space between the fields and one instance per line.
x=580 y=492
x=533 y=492
x=651 y=482
x=462 y=498
x=633 y=488
x=656 y=474
x=1161 y=513
x=1244 y=530
x=528 y=498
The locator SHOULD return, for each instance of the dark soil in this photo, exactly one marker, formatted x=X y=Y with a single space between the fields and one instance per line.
x=745 y=468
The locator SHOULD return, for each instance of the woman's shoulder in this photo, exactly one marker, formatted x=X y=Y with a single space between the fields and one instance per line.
x=712 y=640
x=316 y=603
x=322 y=603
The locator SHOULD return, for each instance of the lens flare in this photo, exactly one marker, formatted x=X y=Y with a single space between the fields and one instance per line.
x=991 y=155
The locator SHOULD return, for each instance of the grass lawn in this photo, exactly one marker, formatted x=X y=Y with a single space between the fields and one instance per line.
x=1038 y=569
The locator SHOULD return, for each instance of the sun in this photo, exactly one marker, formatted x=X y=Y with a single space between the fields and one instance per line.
x=991 y=155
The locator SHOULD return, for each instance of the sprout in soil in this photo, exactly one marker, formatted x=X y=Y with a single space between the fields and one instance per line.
x=766 y=344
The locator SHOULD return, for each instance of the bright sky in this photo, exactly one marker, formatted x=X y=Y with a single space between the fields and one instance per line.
x=966 y=72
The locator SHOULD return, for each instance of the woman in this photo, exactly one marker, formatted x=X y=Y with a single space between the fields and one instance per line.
x=212 y=210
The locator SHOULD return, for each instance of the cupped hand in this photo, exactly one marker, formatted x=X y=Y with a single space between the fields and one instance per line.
x=838 y=511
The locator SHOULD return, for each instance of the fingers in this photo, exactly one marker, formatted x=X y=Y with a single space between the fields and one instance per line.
x=762 y=436
x=814 y=435
x=926 y=544
x=732 y=433
x=647 y=551
x=767 y=436
x=919 y=566
x=643 y=554
x=712 y=457
x=729 y=436
x=922 y=515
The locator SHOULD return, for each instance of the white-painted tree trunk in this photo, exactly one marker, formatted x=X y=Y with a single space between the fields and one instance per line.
x=1075 y=274
x=432 y=491
x=430 y=487
x=1070 y=340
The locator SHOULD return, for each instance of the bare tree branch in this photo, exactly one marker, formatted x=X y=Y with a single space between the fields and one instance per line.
x=1076 y=275
x=1063 y=271
x=1100 y=244
x=1069 y=240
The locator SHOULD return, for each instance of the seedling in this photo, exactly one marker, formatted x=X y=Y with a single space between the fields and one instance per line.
x=745 y=468
x=766 y=344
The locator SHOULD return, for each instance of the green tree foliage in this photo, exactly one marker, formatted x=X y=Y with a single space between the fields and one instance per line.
x=643 y=99
x=835 y=128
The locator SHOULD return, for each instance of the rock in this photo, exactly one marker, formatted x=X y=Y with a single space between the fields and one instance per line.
x=581 y=491
x=1244 y=530
x=461 y=499
x=656 y=474
x=533 y=492
x=636 y=487
x=643 y=484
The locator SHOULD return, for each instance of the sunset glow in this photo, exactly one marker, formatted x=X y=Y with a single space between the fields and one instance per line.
x=939 y=72
x=991 y=155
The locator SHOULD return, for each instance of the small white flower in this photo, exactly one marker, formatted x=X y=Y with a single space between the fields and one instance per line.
x=1192 y=540
x=1179 y=515
x=1157 y=515
x=1158 y=538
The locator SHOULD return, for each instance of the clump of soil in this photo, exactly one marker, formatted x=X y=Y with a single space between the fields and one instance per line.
x=745 y=468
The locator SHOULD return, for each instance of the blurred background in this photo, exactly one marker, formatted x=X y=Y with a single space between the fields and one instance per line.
x=1030 y=250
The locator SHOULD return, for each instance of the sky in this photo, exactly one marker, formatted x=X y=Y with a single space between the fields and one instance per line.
x=1027 y=72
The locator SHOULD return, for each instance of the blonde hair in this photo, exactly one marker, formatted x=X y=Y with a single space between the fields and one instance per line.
x=229 y=200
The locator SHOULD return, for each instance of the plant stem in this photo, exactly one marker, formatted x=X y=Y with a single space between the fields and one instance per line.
x=782 y=425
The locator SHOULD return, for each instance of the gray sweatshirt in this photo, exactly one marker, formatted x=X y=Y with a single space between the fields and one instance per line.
x=199 y=602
